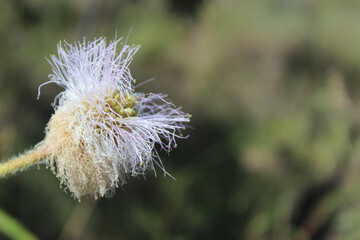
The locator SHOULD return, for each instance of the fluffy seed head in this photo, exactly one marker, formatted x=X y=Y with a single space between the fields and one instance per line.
x=102 y=131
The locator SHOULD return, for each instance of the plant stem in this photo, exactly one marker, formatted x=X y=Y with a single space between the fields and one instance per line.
x=21 y=162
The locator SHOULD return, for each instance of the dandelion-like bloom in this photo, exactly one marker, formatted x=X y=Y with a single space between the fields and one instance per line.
x=102 y=131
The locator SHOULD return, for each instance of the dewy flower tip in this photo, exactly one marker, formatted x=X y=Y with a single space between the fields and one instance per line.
x=102 y=130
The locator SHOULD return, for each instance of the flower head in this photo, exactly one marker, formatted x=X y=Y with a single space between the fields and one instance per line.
x=102 y=130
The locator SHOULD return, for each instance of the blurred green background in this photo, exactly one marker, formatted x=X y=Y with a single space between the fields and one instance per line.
x=274 y=90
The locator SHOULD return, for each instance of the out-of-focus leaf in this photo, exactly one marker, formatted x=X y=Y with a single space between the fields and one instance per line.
x=10 y=227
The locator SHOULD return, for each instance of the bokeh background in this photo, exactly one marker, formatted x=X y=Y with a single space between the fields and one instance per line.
x=274 y=90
